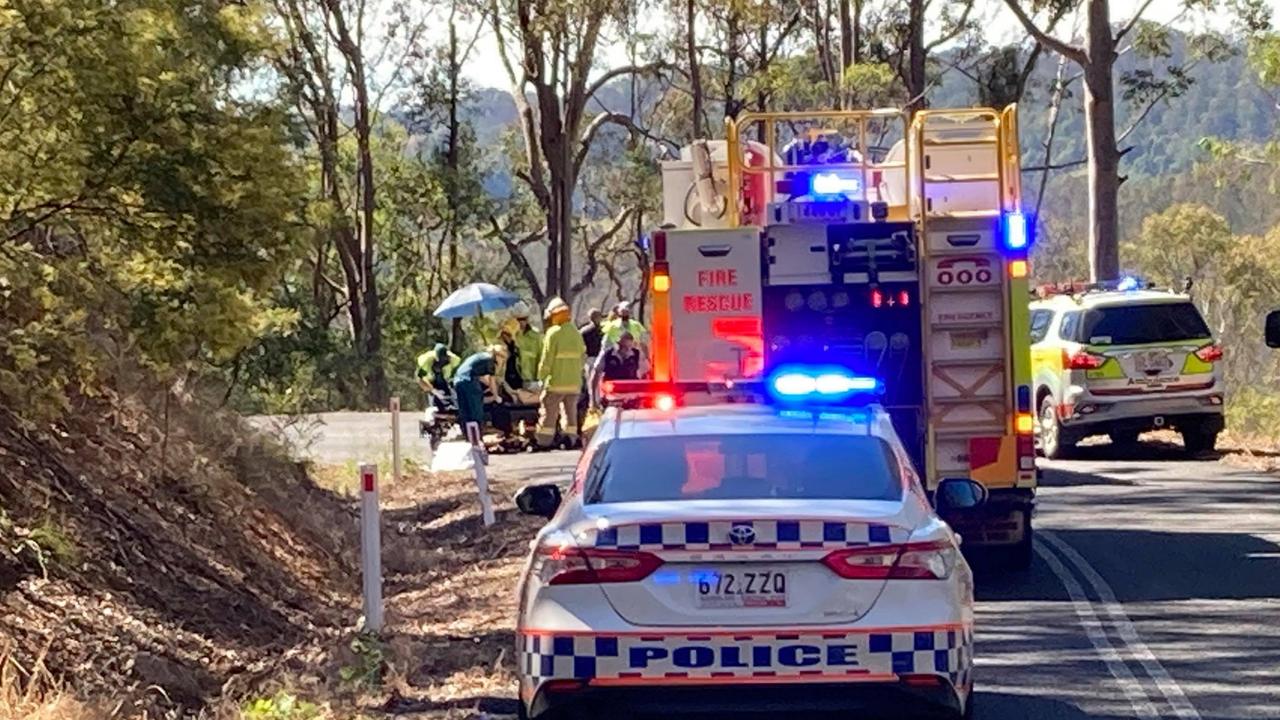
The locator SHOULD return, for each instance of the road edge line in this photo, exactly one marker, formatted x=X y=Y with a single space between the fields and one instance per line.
x=1097 y=634
x=1172 y=691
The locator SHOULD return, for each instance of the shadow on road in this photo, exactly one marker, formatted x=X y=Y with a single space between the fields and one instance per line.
x=1059 y=477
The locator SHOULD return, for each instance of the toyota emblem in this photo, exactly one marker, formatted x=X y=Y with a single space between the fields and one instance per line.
x=742 y=535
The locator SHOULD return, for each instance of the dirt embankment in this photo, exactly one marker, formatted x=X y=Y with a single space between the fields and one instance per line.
x=167 y=566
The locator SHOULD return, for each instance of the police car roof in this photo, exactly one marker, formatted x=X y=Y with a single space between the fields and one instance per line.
x=746 y=419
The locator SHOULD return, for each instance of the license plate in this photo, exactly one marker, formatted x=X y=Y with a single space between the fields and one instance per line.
x=1154 y=362
x=741 y=589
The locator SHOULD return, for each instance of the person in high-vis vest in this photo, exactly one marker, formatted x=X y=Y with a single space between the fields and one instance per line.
x=623 y=323
x=560 y=371
x=436 y=368
x=529 y=343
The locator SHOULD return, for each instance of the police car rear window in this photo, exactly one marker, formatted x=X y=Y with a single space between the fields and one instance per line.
x=1139 y=324
x=844 y=467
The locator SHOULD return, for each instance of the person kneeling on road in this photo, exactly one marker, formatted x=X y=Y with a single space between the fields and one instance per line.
x=473 y=376
x=560 y=370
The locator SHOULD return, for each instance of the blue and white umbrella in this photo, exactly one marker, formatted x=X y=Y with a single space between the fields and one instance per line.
x=475 y=299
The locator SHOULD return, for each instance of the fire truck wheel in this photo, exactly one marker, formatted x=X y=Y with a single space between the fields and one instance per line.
x=1020 y=554
x=1052 y=443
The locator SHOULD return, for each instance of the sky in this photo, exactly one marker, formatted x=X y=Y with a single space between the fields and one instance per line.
x=485 y=69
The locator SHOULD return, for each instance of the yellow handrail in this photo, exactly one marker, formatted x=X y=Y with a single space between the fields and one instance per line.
x=769 y=120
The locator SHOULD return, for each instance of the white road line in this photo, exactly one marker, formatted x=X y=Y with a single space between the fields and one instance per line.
x=1137 y=697
x=1169 y=687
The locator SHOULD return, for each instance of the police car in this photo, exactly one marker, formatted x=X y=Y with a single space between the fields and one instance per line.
x=718 y=553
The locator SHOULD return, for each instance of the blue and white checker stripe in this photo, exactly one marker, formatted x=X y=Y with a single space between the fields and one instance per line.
x=948 y=652
x=774 y=655
x=769 y=535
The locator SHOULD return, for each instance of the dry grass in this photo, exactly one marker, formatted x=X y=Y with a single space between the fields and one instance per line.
x=33 y=693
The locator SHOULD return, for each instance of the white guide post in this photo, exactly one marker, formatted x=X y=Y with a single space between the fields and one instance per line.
x=371 y=547
x=480 y=458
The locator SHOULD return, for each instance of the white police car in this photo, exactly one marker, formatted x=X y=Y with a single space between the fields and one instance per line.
x=745 y=556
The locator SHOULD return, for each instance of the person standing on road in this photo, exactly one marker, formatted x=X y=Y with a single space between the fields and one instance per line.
x=560 y=370
x=614 y=328
x=529 y=342
x=474 y=375
x=592 y=337
x=620 y=362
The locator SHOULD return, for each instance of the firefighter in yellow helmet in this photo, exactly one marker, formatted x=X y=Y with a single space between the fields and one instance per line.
x=528 y=343
x=560 y=371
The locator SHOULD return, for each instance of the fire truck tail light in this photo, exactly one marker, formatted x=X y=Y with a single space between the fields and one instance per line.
x=1024 y=423
x=1017 y=269
x=661 y=282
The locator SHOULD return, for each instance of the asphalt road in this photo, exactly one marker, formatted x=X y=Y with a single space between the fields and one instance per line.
x=1155 y=591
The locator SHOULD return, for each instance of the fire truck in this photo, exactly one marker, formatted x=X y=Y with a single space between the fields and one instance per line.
x=892 y=246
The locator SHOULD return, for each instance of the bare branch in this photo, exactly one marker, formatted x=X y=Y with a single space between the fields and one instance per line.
x=605 y=79
x=1076 y=54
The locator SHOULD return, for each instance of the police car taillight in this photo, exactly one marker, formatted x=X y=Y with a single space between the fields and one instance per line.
x=559 y=565
x=912 y=561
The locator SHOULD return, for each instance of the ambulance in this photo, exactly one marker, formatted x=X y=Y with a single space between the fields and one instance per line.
x=894 y=247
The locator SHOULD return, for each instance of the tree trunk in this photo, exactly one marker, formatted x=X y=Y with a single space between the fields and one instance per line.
x=456 y=339
x=846 y=36
x=695 y=75
x=1104 y=155
x=857 y=31
x=916 y=58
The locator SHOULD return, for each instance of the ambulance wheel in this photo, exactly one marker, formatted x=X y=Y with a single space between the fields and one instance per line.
x=1198 y=441
x=1123 y=438
x=1053 y=445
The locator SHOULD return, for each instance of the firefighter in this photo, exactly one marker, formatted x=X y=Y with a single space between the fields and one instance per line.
x=436 y=368
x=560 y=371
x=614 y=328
x=529 y=343
x=476 y=374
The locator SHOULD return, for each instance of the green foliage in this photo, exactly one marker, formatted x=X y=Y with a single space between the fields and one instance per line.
x=44 y=546
x=365 y=671
x=145 y=203
x=281 y=706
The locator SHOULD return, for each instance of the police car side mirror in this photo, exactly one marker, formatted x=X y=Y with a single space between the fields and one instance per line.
x=959 y=495
x=1273 y=329
x=538 y=500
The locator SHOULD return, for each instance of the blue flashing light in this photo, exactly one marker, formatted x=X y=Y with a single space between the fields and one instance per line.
x=801 y=384
x=1016 y=236
x=1128 y=283
x=830 y=183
